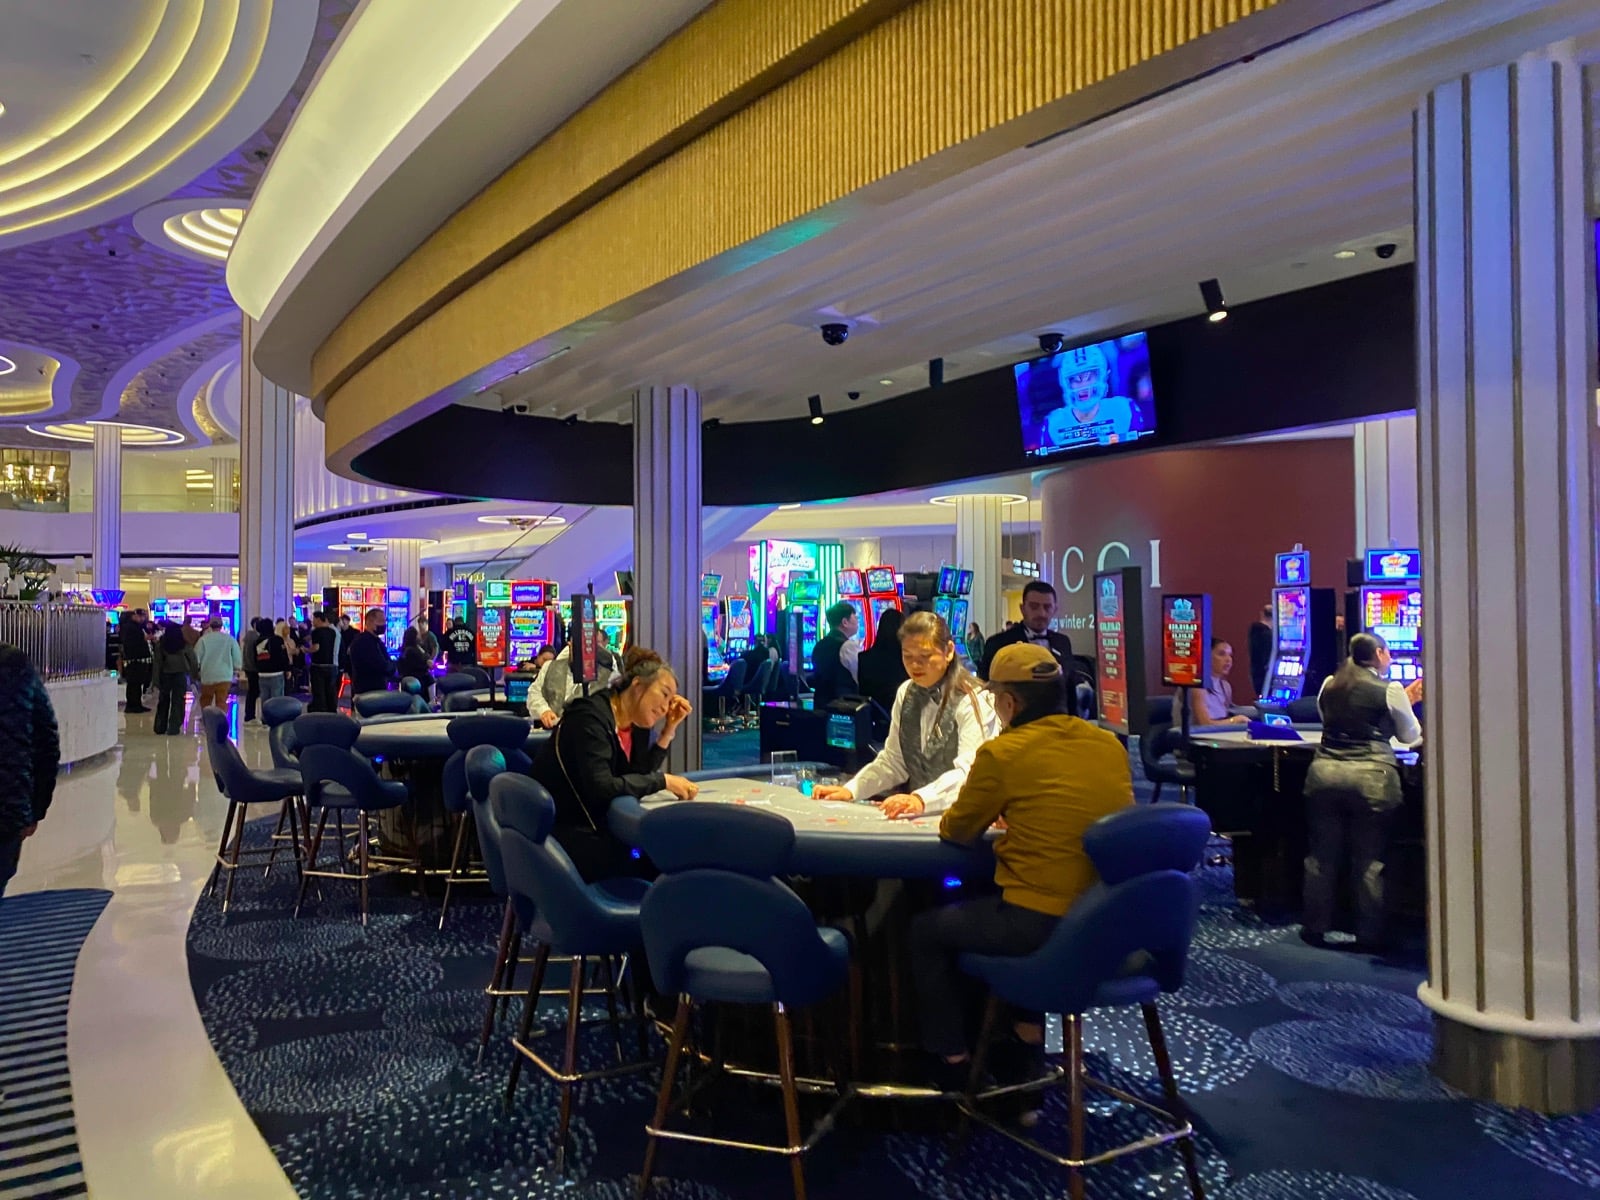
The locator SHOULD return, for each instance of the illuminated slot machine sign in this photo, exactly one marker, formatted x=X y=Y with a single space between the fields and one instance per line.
x=1119 y=650
x=196 y=613
x=1185 y=639
x=852 y=589
x=739 y=623
x=351 y=600
x=1291 y=621
x=1391 y=607
x=396 y=614
x=611 y=617
x=527 y=633
x=882 y=592
x=491 y=637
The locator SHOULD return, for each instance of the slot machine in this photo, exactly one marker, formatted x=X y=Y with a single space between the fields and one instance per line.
x=1305 y=637
x=805 y=617
x=882 y=593
x=717 y=665
x=1391 y=607
x=492 y=636
x=944 y=597
x=222 y=600
x=738 y=623
x=853 y=591
x=396 y=616
x=611 y=618
x=961 y=607
x=527 y=621
x=196 y=612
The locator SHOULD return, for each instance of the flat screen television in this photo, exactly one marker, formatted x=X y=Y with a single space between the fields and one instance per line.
x=949 y=579
x=1099 y=394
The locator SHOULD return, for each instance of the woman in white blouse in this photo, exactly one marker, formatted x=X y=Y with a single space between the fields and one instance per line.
x=940 y=718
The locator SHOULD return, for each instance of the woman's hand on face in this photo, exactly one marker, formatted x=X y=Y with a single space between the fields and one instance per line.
x=681 y=788
x=903 y=806
x=677 y=711
x=830 y=792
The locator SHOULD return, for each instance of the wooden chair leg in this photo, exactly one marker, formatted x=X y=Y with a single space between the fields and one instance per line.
x=238 y=847
x=980 y=1054
x=669 y=1075
x=316 y=848
x=506 y=928
x=608 y=967
x=1074 y=1032
x=569 y=1059
x=513 y=961
x=1175 y=1102
x=277 y=836
x=791 y=1100
x=222 y=849
x=455 y=865
x=530 y=1006
x=361 y=861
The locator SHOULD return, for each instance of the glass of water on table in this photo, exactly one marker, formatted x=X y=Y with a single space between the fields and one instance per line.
x=784 y=767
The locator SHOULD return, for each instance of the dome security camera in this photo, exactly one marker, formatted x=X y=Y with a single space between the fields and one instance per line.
x=1050 y=343
x=835 y=333
x=1385 y=250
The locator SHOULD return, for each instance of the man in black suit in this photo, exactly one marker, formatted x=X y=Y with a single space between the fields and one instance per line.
x=1038 y=610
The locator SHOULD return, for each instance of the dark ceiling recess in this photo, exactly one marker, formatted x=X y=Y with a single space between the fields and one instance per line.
x=1336 y=353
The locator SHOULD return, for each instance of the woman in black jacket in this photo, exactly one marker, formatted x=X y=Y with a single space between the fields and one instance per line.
x=603 y=749
x=30 y=752
x=175 y=665
x=414 y=661
x=880 y=669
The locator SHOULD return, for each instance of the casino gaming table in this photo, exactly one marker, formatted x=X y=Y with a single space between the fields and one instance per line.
x=421 y=736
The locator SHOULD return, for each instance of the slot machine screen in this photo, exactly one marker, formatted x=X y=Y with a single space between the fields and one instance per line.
x=949 y=581
x=525 y=633
x=1395 y=615
x=941 y=609
x=527 y=592
x=958 y=619
x=710 y=587
x=1293 y=615
x=496 y=593
x=851 y=584
x=964 y=584
x=491 y=637
x=881 y=605
x=880 y=581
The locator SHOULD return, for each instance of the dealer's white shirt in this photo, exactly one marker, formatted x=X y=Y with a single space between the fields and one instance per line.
x=976 y=723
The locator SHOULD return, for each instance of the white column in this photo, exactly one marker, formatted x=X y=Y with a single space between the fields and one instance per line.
x=158 y=584
x=222 y=577
x=666 y=545
x=405 y=567
x=979 y=525
x=266 y=482
x=1387 y=507
x=107 y=506
x=1506 y=353
x=319 y=575
x=222 y=470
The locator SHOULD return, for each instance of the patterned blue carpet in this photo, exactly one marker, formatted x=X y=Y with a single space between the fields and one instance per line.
x=40 y=935
x=354 y=1050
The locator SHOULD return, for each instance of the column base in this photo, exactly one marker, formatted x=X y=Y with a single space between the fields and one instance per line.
x=1548 y=1074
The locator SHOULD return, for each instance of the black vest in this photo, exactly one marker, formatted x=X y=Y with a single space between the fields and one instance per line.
x=1357 y=718
x=829 y=678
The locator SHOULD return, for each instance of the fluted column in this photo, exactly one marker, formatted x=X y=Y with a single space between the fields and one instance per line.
x=266 y=482
x=318 y=576
x=158 y=584
x=107 y=505
x=222 y=471
x=222 y=576
x=980 y=522
x=666 y=545
x=1386 y=483
x=1506 y=422
x=405 y=566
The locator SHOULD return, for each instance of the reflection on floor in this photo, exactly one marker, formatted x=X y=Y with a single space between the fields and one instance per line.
x=143 y=822
x=356 y=1053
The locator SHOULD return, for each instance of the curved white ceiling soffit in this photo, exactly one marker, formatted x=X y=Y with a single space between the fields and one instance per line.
x=110 y=107
x=419 y=107
x=195 y=409
x=137 y=391
x=198 y=228
x=35 y=383
x=222 y=397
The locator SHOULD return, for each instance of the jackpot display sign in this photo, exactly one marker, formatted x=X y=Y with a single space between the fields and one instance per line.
x=491 y=637
x=1185 y=638
x=1111 y=667
x=585 y=639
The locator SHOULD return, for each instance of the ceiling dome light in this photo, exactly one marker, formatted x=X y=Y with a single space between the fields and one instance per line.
x=6 y=365
x=1006 y=498
x=522 y=520
x=132 y=435
x=201 y=229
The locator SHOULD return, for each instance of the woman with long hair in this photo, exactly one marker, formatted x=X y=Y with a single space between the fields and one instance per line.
x=1353 y=787
x=606 y=746
x=940 y=718
x=414 y=661
x=175 y=664
x=880 y=671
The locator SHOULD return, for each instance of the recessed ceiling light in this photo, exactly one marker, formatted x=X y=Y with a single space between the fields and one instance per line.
x=355 y=537
x=340 y=546
x=1344 y=253
x=783 y=507
x=522 y=520
x=132 y=435
x=887 y=382
x=1005 y=498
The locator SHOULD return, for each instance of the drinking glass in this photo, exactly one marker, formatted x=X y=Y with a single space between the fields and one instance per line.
x=784 y=763
x=806 y=781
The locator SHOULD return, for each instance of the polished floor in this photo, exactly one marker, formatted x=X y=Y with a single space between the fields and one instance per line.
x=157 y=1117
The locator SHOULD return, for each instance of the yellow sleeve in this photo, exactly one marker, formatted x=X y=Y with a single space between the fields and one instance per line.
x=982 y=799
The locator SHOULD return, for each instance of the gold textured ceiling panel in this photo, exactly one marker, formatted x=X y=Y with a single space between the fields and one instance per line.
x=930 y=77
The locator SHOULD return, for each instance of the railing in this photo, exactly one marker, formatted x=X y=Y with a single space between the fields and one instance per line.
x=63 y=641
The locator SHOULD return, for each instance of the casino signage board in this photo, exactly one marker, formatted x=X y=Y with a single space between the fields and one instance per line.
x=1293 y=569
x=1185 y=638
x=1401 y=565
x=585 y=639
x=1119 y=649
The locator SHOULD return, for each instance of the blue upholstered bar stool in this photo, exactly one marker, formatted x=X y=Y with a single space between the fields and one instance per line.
x=337 y=779
x=278 y=715
x=1125 y=941
x=243 y=787
x=508 y=734
x=568 y=916
x=719 y=927
x=379 y=704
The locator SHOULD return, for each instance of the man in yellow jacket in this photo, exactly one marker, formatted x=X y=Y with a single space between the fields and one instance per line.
x=1046 y=779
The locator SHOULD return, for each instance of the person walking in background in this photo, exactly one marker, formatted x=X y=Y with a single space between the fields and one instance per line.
x=324 y=664
x=30 y=753
x=175 y=665
x=220 y=661
x=272 y=660
x=135 y=659
x=252 y=678
x=370 y=665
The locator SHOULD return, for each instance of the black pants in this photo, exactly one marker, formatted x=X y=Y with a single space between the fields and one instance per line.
x=324 y=688
x=1344 y=825
x=10 y=853
x=135 y=674
x=986 y=926
x=252 y=694
x=170 y=703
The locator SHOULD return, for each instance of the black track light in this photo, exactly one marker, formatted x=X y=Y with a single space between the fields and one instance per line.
x=935 y=372
x=1216 y=306
x=815 y=404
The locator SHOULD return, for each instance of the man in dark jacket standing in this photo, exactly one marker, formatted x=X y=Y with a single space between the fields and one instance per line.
x=370 y=665
x=1038 y=610
x=136 y=657
x=30 y=752
x=834 y=657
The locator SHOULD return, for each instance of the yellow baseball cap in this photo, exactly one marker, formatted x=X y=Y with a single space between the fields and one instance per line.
x=1024 y=663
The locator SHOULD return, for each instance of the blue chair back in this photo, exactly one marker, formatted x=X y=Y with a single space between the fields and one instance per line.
x=321 y=765
x=717 y=890
x=237 y=781
x=503 y=731
x=280 y=713
x=578 y=917
x=215 y=724
x=326 y=729
x=1305 y=711
x=459 y=702
x=757 y=684
x=455 y=681
x=1142 y=913
x=732 y=683
x=479 y=677
x=1158 y=711
x=372 y=704
x=411 y=685
x=481 y=765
